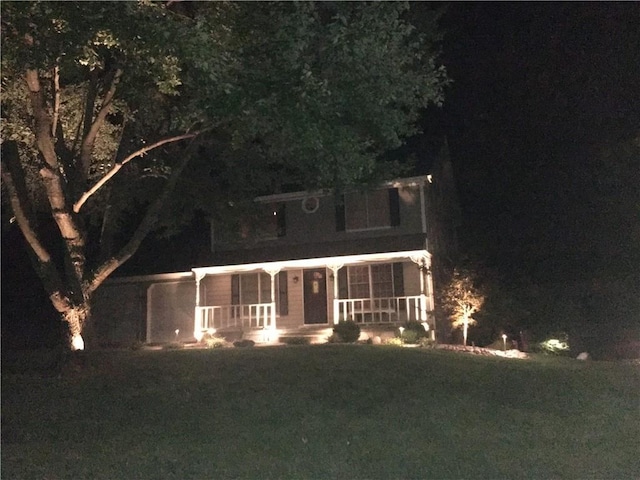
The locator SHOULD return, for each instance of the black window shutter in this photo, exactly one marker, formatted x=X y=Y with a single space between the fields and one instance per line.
x=235 y=289
x=340 y=214
x=343 y=285
x=282 y=220
x=394 y=207
x=398 y=280
x=283 y=295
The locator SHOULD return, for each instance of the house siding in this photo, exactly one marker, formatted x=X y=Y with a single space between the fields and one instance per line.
x=322 y=223
x=296 y=304
x=119 y=314
x=170 y=311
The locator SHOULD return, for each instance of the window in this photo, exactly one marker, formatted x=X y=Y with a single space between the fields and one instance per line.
x=266 y=222
x=252 y=288
x=370 y=210
x=359 y=282
x=274 y=224
x=255 y=288
x=374 y=281
x=381 y=281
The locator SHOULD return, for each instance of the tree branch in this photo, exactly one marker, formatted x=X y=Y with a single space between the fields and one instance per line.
x=146 y=225
x=52 y=178
x=42 y=120
x=13 y=178
x=85 y=196
x=86 y=149
x=56 y=100
x=19 y=200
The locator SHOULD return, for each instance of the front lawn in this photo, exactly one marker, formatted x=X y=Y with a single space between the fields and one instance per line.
x=328 y=411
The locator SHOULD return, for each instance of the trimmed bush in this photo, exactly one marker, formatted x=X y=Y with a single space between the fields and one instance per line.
x=211 y=341
x=347 y=330
x=413 y=332
x=556 y=344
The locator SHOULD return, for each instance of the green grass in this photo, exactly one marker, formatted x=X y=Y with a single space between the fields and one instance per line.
x=331 y=411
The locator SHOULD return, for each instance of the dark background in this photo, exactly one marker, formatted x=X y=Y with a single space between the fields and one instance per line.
x=540 y=120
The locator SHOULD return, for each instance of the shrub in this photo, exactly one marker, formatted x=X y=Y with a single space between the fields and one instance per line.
x=396 y=341
x=295 y=340
x=244 y=343
x=557 y=344
x=413 y=332
x=347 y=330
x=211 y=341
x=426 y=342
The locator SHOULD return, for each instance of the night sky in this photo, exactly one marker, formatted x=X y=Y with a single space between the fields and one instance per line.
x=540 y=91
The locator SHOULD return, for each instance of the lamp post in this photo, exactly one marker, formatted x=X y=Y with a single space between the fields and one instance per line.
x=401 y=330
x=504 y=341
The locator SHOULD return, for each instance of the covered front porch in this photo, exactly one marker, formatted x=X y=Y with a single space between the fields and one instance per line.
x=276 y=298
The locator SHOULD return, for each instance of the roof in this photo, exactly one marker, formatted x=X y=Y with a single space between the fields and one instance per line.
x=337 y=262
x=282 y=252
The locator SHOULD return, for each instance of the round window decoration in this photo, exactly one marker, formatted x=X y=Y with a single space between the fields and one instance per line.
x=310 y=204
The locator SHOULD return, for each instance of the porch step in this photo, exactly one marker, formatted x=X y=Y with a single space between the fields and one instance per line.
x=314 y=334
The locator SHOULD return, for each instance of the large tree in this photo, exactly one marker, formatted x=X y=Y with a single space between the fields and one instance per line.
x=105 y=103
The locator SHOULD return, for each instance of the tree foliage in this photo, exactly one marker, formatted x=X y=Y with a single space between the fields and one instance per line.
x=461 y=298
x=99 y=120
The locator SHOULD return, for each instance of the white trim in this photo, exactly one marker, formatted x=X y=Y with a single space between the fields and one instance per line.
x=399 y=182
x=312 y=262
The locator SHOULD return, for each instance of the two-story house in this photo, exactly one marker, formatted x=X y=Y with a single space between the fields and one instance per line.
x=310 y=260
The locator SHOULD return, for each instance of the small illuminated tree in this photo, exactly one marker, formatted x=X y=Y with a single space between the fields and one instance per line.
x=460 y=299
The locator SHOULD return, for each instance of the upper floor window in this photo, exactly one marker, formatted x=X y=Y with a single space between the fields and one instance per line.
x=369 y=210
x=267 y=223
x=276 y=223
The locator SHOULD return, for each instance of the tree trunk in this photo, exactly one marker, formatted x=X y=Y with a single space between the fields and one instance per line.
x=76 y=318
x=465 y=328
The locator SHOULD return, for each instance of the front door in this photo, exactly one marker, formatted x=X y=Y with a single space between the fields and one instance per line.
x=315 y=296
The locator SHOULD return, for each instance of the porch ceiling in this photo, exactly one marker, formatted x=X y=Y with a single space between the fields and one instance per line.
x=314 y=262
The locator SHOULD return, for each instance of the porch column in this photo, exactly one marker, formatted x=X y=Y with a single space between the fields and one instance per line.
x=197 y=324
x=422 y=262
x=336 y=310
x=273 y=272
x=431 y=303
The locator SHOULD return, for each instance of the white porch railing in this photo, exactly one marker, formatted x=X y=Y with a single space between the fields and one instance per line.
x=383 y=310
x=257 y=315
